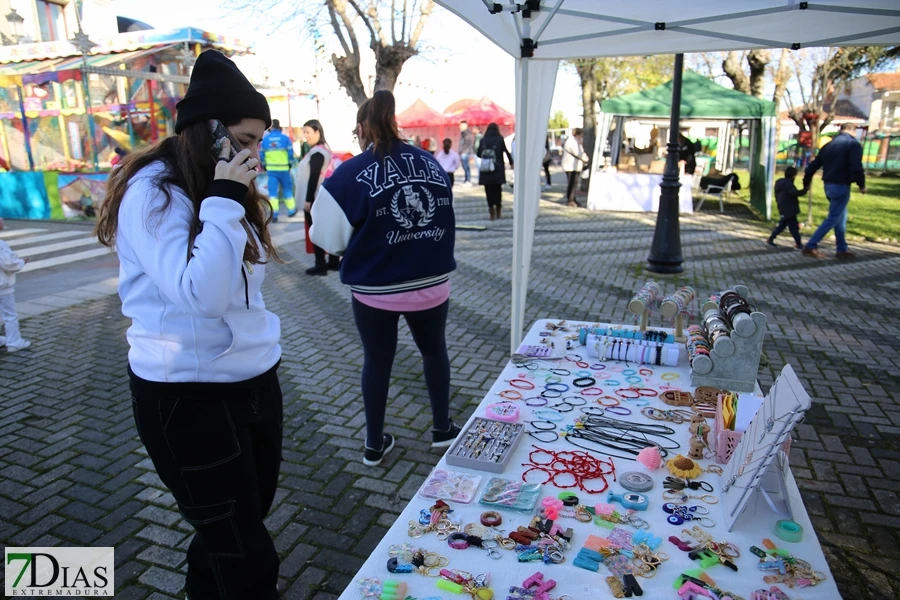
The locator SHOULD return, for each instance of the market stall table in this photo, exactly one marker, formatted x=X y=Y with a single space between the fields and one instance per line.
x=634 y=192
x=752 y=527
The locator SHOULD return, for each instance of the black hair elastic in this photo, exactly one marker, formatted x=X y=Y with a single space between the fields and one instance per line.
x=550 y=423
x=584 y=382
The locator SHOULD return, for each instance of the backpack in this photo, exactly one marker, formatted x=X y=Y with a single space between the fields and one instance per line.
x=488 y=160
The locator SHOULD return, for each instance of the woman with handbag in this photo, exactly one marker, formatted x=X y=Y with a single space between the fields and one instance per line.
x=492 y=170
x=314 y=167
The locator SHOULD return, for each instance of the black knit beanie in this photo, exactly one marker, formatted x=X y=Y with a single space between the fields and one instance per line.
x=218 y=90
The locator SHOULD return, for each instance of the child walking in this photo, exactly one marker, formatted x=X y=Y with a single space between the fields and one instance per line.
x=10 y=264
x=788 y=198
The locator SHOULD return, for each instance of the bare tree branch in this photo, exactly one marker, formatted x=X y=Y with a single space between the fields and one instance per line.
x=733 y=67
x=364 y=17
x=425 y=13
x=403 y=22
x=337 y=29
x=393 y=21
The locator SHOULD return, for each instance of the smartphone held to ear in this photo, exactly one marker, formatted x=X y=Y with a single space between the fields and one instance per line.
x=220 y=134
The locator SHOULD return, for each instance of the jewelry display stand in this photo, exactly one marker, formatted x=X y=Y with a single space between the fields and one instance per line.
x=671 y=308
x=742 y=322
x=638 y=304
x=757 y=469
x=736 y=370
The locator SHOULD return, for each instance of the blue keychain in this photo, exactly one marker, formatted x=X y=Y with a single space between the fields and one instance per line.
x=629 y=500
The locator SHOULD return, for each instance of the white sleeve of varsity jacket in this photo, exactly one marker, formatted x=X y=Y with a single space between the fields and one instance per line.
x=204 y=285
x=330 y=229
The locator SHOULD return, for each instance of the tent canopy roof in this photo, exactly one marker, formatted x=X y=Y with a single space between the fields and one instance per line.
x=420 y=115
x=482 y=112
x=700 y=97
x=586 y=28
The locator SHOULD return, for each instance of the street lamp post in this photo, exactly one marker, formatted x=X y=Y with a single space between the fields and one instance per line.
x=15 y=21
x=84 y=45
x=665 y=252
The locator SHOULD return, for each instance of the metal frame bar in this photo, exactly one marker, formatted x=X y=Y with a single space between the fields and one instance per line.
x=540 y=32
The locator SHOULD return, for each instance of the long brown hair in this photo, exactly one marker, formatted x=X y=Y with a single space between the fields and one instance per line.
x=188 y=165
x=377 y=116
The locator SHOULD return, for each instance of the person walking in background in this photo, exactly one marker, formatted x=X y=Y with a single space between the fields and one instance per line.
x=10 y=264
x=193 y=244
x=449 y=159
x=311 y=172
x=492 y=169
x=787 y=196
x=841 y=164
x=277 y=158
x=397 y=235
x=547 y=161
x=466 y=150
x=573 y=160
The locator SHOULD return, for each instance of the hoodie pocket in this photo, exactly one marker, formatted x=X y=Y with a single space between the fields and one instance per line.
x=250 y=335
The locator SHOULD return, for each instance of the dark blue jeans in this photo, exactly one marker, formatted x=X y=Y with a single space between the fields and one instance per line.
x=217 y=447
x=838 y=196
x=789 y=223
x=467 y=169
x=378 y=332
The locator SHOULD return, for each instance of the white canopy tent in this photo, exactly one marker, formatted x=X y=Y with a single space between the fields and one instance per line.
x=540 y=33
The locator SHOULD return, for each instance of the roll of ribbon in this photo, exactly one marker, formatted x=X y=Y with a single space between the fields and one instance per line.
x=789 y=531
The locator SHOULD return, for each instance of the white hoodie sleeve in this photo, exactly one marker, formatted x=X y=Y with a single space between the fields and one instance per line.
x=204 y=285
x=330 y=229
x=10 y=262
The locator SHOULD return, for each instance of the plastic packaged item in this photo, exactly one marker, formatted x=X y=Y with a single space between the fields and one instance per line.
x=444 y=484
x=513 y=495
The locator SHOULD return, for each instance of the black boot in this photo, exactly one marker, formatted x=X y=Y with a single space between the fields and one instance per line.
x=334 y=263
x=320 y=268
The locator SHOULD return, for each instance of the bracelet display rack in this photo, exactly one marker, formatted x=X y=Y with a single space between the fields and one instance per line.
x=676 y=305
x=642 y=301
x=733 y=360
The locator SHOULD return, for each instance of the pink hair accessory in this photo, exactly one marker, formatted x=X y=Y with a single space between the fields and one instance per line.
x=552 y=514
x=550 y=502
x=650 y=458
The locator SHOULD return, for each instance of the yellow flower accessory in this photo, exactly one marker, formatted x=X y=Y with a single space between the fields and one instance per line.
x=683 y=467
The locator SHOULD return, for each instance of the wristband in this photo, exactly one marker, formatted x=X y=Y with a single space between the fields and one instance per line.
x=491 y=518
x=789 y=531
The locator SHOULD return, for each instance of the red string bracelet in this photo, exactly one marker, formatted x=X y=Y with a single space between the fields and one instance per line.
x=520 y=384
x=621 y=393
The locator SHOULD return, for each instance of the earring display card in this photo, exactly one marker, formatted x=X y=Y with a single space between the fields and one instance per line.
x=445 y=484
x=485 y=445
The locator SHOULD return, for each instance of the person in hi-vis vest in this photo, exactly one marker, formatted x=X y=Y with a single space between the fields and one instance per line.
x=277 y=157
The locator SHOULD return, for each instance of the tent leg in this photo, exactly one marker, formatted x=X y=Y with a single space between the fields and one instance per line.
x=665 y=252
x=519 y=271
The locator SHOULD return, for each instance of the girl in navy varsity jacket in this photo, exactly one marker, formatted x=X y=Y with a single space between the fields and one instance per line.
x=389 y=213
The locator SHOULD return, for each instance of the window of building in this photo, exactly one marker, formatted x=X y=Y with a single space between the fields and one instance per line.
x=52 y=19
x=890 y=115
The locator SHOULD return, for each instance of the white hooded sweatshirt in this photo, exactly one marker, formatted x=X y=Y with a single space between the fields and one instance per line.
x=194 y=320
x=10 y=264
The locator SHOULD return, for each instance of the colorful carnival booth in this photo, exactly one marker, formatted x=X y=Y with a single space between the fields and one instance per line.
x=620 y=183
x=65 y=110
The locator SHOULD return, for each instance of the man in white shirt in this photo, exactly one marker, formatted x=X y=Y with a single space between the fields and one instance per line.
x=573 y=160
x=448 y=159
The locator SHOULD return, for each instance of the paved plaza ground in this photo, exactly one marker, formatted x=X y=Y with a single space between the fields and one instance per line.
x=73 y=472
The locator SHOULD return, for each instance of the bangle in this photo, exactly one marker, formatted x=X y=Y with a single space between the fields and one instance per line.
x=491 y=518
x=458 y=541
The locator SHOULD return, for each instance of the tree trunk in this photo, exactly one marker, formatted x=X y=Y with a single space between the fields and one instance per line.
x=389 y=61
x=782 y=75
x=735 y=71
x=587 y=71
x=758 y=59
x=347 y=70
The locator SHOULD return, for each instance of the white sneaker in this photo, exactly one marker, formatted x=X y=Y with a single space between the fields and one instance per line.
x=467 y=184
x=22 y=346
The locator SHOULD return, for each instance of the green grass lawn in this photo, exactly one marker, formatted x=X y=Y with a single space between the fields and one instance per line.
x=872 y=216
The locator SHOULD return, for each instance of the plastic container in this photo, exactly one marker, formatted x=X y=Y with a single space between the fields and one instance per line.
x=727 y=440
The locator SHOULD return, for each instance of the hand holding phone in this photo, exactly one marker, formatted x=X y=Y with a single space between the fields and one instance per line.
x=241 y=168
x=220 y=134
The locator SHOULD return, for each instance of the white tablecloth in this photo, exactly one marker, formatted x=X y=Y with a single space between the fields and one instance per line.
x=633 y=192
x=756 y=523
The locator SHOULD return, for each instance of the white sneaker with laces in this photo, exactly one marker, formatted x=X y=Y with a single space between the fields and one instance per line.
x=16 y=348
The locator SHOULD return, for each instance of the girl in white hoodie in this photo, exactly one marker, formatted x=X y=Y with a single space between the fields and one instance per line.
x=191 y=232
x=10 y=264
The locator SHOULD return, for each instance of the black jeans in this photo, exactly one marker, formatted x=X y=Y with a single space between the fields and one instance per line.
x=378 y=332
x=570 y=186
x=791 y=224
x=494 y=193
x=217 y=447
x=547 y=173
